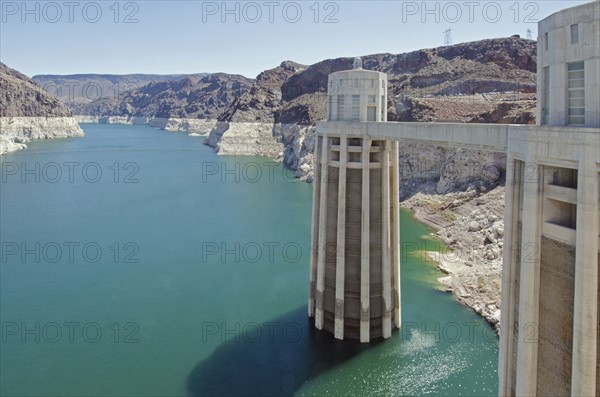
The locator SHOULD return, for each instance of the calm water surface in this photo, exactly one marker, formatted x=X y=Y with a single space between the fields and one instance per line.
x=141 y=264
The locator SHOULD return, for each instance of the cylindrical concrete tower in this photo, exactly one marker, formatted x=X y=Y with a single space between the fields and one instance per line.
x=355 y=265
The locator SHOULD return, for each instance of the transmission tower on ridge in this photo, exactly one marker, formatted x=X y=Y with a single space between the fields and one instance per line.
x=448 y=37
x=529 y=34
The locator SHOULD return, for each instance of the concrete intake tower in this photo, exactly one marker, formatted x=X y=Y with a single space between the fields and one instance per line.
x=355 y=265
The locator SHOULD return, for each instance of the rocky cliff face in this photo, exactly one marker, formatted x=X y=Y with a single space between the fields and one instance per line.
x=261 y=101
x=79 y=90
x=21 y=97
x=487 y=66
x=27 y=112
x=248 y=126
x=188 y=98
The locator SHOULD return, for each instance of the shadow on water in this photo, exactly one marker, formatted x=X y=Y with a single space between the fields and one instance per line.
x=275 y=361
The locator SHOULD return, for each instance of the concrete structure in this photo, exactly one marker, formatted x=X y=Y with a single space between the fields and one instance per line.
x=568 y=64
x=355 y=269
x=550 y=339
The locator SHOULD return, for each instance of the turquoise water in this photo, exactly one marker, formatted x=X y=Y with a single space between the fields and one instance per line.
x=141 y=264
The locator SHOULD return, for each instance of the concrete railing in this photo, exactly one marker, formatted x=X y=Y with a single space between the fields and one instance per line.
x=492 y=137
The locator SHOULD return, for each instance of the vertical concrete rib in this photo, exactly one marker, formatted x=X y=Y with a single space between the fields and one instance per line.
x=529 y=291
x=511 y=217
x=319 y=295
x=585 y=316
x=315 y=231
x=341 y=242
x=386 y=276
x=395 y=233
x=365 y=295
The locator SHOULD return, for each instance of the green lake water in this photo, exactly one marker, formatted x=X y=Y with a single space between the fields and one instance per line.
x=138 y=263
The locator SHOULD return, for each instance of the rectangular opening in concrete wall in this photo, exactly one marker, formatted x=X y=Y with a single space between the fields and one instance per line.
x=555 y=327
x=354 y=151
x=335 y=155
x=355 y=107
x=576 y=92
x=575 y=34
x=375 y=157
x=330 y=108
x=563 y=177
x=561 y=214
x=560 y=203
x=371 y=113
x=341 y=114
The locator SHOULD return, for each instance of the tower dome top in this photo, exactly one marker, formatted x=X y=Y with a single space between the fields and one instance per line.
x=357 y=63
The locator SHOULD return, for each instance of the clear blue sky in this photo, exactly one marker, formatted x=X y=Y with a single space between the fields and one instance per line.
x=167 y=37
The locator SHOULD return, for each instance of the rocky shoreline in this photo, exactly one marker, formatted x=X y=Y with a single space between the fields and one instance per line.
x=244 y=139
x=27 y=112
x=16 y=132
x=471 y=227
x=196 y=126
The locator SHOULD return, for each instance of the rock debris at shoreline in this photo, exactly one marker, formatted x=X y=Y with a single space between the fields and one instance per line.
x=471 y=226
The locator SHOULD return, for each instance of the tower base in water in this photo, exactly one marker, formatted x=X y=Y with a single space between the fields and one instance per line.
x=355 y=266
